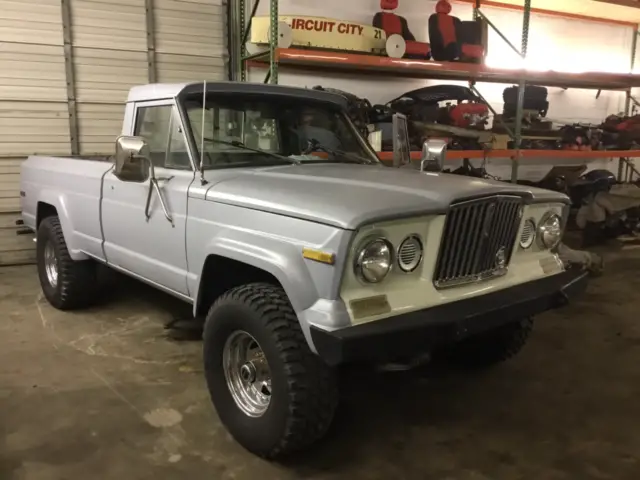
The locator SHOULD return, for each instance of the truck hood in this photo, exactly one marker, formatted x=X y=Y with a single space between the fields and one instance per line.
x=347 y=195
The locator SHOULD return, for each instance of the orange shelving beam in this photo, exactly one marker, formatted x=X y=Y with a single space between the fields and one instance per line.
x=471 y=154
x=429 y=69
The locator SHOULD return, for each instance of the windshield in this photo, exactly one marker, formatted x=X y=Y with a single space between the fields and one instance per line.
x=252 y=130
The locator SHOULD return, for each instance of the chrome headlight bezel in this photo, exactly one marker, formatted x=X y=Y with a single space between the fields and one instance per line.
x=360 y=267
x=549 y=223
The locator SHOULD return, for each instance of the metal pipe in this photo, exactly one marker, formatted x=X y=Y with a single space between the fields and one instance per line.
x=247 y=29
x=70 y=77
x=234 y=31
x=521 y=88
x=204 y=109
x=500 y=34
x=151 y=41
x=254 y=55
x=241 y=10
x=273 y=42
x=634 y=47
x=620 y=167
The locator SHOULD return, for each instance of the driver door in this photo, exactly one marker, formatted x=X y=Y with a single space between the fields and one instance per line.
x=152 y=248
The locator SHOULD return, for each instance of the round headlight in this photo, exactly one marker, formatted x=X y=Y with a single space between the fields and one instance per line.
x=550 y=230
x=528 y=234
x=410 y=253
x=374 y=260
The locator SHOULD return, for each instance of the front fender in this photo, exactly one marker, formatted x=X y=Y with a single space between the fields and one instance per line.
x=59 y=201
x=282 y=259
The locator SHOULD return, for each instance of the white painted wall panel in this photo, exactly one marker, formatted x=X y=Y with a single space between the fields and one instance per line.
x=9 y=198
x=31 y=71
x=183 y=68
x=109 y=24
x=105 y=76
x=100 y=124
x=109 y=39
x=109 y=56
x=30 y=21
x=33 y=110
x=16 y=249
x=190 y=38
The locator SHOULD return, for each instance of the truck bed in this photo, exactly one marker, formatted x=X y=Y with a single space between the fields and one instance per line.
x=72 y=183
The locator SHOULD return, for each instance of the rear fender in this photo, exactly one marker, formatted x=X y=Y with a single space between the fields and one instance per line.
x=60 y=202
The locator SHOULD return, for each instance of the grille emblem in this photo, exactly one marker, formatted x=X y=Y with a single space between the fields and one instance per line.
x=501 y=258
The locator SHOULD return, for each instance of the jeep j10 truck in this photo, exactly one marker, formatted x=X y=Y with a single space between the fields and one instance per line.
x=264 y=208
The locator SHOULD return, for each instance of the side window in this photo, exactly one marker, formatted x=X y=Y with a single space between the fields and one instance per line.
x=160 y=127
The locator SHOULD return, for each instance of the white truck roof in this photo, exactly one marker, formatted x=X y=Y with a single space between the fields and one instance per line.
x=155 y=91
x=162 y=91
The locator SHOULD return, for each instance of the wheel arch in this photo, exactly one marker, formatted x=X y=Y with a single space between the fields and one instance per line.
x=258 y=256
x=236 y=273
x=54 y=203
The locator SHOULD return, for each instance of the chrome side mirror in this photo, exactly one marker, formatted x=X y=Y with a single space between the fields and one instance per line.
x=133 y=160
x=401 y=146
x=434 y=152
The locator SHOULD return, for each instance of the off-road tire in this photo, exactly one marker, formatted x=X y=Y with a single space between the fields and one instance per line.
x=77 y=283
x=492 y=347
x=304 y=392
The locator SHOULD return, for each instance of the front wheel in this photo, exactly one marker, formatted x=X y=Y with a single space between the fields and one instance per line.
x=494 y=346
x=271 y=392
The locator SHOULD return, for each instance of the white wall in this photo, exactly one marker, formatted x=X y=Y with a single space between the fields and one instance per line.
x=554 y=44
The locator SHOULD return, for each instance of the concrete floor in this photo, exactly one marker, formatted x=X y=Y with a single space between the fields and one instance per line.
x=106 y=394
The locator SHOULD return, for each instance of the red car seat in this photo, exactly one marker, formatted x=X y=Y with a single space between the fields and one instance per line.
x=395 y=24
x=452 y=39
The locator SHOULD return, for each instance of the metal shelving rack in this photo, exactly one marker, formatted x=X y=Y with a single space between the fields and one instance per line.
x=274 y=56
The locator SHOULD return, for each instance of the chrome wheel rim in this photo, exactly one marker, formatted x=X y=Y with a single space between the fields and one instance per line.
x=247 y=373
x=51 y=264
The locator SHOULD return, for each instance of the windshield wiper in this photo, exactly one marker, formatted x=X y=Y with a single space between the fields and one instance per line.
x=314 y=144
x=237 y=144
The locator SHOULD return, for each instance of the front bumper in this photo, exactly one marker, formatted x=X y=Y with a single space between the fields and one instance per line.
x=419 y=331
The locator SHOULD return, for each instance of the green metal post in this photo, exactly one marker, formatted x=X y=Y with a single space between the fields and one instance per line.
x=243 y=47
x=242 y=31
x=634 y=48
x=476 y=9
x=273 y=41
x=521 y=88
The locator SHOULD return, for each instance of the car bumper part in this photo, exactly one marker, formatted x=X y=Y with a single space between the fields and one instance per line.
x=421 y=330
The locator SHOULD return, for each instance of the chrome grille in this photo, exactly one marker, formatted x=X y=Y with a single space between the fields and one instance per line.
x=478 y=240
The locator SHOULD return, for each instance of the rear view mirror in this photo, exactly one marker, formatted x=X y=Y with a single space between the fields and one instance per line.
x=132 y=160
x=401 y=148
x=434 y=152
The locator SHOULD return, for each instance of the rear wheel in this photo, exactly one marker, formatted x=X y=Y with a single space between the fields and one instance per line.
x=494 y=346
x=67 y=284
x=272 y=393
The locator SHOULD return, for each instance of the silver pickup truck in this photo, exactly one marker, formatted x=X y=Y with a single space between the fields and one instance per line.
x=264 y=208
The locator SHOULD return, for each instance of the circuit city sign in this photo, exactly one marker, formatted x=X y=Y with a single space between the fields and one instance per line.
x=328 y=26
